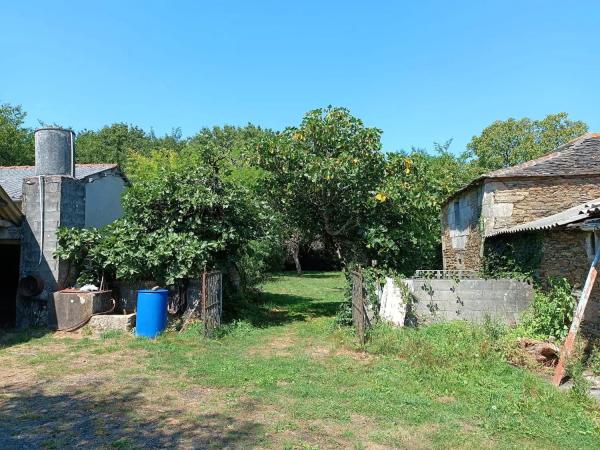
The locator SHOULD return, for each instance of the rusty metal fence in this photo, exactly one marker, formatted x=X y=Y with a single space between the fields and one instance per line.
x=212 y=300
x=204 y=299
x=360 y=318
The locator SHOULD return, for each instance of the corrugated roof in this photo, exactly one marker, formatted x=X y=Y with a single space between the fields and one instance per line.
x=579 y=157
x=8 y=210
x=571 y=215
x=11 y=177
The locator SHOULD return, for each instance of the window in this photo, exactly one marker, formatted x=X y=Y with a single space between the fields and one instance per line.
x=457 y=215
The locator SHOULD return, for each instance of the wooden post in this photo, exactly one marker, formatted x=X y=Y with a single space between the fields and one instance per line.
x=577 y=317
x=203 y=289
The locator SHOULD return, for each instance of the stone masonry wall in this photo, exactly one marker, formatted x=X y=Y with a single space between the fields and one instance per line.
x=566 y=254
x=64 y=205
x=474 y=300
x=514 y=202
x=507 y=203
x=461 y=237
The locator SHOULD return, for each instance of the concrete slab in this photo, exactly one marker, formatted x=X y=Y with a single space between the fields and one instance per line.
x=111 y=322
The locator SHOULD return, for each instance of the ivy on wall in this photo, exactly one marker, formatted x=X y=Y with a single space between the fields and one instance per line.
x=513 y=256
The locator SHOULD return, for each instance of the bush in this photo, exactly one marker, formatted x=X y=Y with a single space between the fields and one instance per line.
x=177 y=221
x=551 y=312
x=257 y=259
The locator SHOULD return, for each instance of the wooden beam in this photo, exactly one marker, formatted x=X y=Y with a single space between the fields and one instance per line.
x=567 y=348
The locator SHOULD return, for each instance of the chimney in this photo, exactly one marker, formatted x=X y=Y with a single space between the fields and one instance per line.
x=54 y=152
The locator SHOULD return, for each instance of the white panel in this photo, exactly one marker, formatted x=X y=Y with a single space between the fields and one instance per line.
x=103 y=201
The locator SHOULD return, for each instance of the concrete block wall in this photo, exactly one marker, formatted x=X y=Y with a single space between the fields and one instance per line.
x=474 y=300
x=63 y=205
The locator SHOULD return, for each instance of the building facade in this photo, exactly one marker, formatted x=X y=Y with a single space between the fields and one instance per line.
x=52 y=194
x=565 y=178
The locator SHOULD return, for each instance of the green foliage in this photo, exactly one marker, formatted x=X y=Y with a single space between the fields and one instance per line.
x=403 y=231
x=509 y=142
x=551 y=312
x=16 y=141
x=323 y=174
x=258 y=259
x=513 y=256
x=231 y=151
x=179 y=219
x=114 y=143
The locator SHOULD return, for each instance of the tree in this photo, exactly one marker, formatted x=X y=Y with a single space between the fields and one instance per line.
x=178 y=219
x=323 y=174
x=16 y=141
x=509 y=142
x=113 y=143
x=404 y=229
x=231 y=150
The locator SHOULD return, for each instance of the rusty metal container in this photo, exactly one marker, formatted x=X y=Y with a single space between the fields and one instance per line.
x=70 y=308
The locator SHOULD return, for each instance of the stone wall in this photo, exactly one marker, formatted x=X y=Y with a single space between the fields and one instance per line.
x=64 y=205
x=443 y=300
x=461 y=236
x=568 y=254
x=514 y=202
x=502 y=204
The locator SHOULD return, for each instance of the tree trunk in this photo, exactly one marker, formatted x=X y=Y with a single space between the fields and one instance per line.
x=296 y=256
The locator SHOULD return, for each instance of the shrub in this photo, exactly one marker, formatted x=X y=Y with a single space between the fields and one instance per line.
x=551 y=312
x=179 y=220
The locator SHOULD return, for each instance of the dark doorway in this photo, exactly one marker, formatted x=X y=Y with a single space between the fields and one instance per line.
x=9 y=279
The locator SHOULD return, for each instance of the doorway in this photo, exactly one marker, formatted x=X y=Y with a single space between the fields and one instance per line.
x=9 y=279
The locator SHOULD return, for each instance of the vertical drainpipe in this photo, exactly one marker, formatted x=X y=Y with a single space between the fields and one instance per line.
x=42 y=195
x=72 y=154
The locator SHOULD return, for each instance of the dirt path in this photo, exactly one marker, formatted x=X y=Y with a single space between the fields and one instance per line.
x=69 y=391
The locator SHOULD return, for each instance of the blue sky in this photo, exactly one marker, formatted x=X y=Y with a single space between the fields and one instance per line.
x=422 y=71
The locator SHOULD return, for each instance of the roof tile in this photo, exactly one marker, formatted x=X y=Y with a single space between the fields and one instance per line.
x=11 y=177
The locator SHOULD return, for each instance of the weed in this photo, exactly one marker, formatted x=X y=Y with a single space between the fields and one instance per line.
x=285 y=367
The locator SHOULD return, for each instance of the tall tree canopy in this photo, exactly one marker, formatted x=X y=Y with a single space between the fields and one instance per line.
x=403 y=231
x=508 y=142
x=322 y=174
x=113 y=143
x=16 y=141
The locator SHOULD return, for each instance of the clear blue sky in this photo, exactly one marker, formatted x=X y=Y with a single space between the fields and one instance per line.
x=422 y=71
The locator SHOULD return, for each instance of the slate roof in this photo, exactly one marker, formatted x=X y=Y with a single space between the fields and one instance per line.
x=11 y=177
x=579 y=157
x=8 y=210
x=571 y=215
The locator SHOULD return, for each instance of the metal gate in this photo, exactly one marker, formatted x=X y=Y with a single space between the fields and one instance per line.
x=360 y=318
x=212 y=300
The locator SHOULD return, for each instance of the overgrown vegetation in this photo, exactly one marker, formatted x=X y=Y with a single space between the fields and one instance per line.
x=300 y=384
x=180 y=217
x=327 y=182
x=514 y=256
x=551 y=312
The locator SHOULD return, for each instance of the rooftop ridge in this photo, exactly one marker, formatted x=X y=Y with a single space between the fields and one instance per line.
x=76 y=165
x=577 y=158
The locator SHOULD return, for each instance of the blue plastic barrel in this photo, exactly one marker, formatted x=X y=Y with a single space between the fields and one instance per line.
x=151 y=317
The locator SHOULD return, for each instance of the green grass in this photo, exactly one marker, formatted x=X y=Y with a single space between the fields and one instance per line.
x=445 y=385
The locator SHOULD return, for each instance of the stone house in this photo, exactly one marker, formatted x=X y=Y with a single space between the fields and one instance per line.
x=34 y=202
x=566 y=244
x=547 y=209
x=562 y=179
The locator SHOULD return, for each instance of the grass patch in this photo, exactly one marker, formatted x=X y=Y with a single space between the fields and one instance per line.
x=306 y=384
